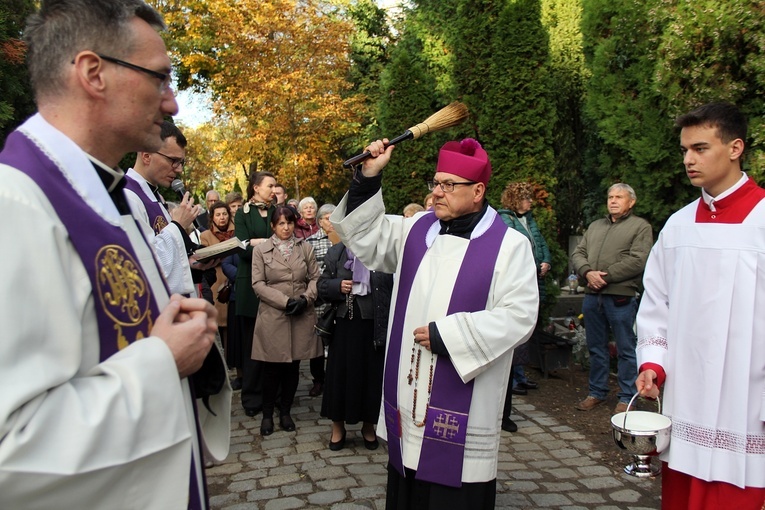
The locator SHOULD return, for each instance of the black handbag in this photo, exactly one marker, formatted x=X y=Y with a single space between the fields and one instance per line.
x=224 y=294
x=325 y=325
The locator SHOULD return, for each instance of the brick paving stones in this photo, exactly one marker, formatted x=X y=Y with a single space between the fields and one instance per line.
x=546 y=464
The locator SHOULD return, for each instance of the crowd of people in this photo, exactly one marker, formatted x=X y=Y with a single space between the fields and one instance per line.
x=429 y=310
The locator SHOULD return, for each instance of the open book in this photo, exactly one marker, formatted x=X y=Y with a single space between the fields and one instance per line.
x=222 y=249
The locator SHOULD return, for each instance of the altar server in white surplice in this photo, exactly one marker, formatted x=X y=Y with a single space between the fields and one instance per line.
x=464 y=296
x=96 y=409
x=701 y=323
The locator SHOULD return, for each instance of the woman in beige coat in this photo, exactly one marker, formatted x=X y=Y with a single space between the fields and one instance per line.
x=284 y=276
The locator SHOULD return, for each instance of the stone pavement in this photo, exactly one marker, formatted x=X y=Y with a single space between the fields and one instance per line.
x=545 y=464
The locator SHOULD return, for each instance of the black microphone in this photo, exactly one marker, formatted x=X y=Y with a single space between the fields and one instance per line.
x=180 y=189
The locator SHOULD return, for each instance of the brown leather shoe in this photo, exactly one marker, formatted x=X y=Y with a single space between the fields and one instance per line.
x=589 y=403
x=621 y=407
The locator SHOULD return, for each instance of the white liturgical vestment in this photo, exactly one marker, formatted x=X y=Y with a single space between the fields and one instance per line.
x=480 y=344
x=76 y=432
x=702 y=319
x=168 y=244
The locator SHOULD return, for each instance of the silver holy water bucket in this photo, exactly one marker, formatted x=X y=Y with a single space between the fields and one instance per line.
x=643 y=434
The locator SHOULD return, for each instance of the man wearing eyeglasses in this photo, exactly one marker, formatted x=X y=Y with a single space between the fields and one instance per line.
x=465 y=295
x=96 y=408
x=168 y=231
x=203 y=220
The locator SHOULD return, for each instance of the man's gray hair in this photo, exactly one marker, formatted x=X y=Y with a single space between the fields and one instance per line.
x=625 y=187
x=304 y=202
x=62 y=28
x=326 y=209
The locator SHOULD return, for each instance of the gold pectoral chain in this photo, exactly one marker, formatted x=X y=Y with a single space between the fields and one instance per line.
x=413 y=377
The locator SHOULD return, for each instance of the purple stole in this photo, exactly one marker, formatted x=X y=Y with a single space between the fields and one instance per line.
x=154 y=210
x=443 y=447
x=125 y=306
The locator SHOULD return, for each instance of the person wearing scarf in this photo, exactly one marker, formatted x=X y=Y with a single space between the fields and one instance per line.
x=284 y=276
x=253 y=223
x=306 y=224
x=353 y=387
x=220 y=228
x=517 y=200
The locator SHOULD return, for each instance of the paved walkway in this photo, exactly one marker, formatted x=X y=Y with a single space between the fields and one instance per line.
x=544 y=465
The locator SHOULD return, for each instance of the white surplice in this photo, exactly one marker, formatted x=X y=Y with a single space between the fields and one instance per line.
x=76 y=432
x=702 y=319
x=168 y=244
x=480 y=344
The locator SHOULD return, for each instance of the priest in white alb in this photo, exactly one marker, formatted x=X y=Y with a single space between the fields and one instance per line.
x=464 y=297
x=701 y=326
x=96 y=359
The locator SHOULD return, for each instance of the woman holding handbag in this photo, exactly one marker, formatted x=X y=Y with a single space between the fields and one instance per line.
x=284 y=276
x=353 y=387
x=221 y=228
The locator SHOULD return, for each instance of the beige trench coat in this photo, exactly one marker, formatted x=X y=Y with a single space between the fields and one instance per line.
x=280 y=338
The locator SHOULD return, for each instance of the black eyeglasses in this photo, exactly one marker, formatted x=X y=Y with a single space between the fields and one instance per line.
x=174 y=162
x=164 y=78
x=447 y=187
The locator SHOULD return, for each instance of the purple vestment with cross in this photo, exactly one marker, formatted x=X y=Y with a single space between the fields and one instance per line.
x=442 y=453
x=125 y=306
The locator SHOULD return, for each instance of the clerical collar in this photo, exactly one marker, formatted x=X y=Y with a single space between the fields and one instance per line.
x=710 y=200
x=111 y=177
x=114 y=182
x=464 y=225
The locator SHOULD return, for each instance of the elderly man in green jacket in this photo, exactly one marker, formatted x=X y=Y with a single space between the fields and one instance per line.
x=611 y=257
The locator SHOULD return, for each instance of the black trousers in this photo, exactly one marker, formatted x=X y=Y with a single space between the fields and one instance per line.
x=252 y=370
x=408 y=493
x=317 y=369
x=277 y=376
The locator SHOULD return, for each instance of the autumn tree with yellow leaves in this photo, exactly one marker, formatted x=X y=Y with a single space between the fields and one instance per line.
x=277 y=73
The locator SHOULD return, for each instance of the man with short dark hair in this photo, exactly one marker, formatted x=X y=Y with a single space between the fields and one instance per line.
x=611 y=257
x=96 y=409
x=701 y=326
x=465 y=295
x=166 y=230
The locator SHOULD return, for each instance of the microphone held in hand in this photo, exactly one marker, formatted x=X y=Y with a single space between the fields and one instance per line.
x=180 y=189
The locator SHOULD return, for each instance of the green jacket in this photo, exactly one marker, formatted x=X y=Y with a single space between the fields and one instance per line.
x=618 y=248
x=250 y=225
x=538 y=244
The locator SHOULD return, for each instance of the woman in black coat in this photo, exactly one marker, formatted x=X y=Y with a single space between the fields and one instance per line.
x=353 y=385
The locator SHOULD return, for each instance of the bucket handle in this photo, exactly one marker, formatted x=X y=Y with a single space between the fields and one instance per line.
x=629 y=406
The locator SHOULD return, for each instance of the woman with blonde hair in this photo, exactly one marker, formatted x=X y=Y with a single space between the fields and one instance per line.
x=306 y=225
x=412 y=209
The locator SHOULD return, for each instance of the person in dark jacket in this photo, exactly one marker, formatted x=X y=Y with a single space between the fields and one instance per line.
x=252 y=222
x=611 y=257
x=353 y=387
x=517 y=200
